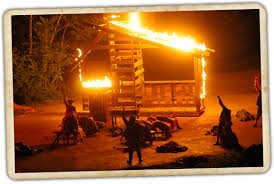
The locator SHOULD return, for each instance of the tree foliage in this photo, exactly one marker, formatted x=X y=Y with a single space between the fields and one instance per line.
x=39 y=76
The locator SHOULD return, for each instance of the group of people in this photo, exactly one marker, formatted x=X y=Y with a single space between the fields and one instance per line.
x=133 y=132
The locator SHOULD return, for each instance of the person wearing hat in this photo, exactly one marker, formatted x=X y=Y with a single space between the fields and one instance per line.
x=70 y=121
x=132 y=135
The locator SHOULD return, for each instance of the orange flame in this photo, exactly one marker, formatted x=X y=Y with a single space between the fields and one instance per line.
x=187 y=44
x=203 y=90
x=97 y=83
x=76 y=59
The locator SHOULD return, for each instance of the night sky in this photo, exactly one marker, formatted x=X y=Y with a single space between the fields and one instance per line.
x=233 y=34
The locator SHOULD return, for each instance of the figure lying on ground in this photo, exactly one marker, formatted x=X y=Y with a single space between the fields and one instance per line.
x=173 y=121
x=171 y=147
x=154 y=124
x=88 y=125
x=244 y=115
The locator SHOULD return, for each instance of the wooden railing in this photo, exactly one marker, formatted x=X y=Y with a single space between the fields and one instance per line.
x=169 y=94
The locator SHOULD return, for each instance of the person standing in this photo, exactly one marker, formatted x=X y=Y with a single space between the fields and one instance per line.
x=132 y=135
x=259 y=100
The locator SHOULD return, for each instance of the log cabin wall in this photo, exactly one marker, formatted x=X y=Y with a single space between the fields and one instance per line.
x=126 y=70
x=131 y=91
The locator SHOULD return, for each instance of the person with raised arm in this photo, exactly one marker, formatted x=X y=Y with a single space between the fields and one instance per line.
x=259 y=100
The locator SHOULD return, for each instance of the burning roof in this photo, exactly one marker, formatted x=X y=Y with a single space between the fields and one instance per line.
x=133 y=27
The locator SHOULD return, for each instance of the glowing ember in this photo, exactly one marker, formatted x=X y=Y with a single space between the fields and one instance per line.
x=97 y=83
x=203 y=91
x=183 y=43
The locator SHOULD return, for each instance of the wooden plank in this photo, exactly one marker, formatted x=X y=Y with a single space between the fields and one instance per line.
x=169 y=82
x=124 y=104
x=176 y=113
x=152 y=104
x=128 y=99
x=127 y=83
x=128 y=52
x=128 y=87
x=139 y=72
x=138 y=81
x=126 y=77
x=124 y=70
x=138 y=63
x=127 y=57
x=124 y=46
x=122 y=62
x=124 y=95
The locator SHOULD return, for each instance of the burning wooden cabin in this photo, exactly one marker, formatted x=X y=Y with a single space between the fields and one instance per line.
x=127 y=79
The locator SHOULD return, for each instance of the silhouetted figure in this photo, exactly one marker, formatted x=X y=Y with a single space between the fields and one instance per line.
x=259 y=100
x=132 y=136
x=225 y=137
x=70 y=123
x=160 y=125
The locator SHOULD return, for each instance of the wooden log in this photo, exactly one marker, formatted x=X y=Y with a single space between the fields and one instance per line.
x=138 y=63
x=124 y=104
x=139 y=72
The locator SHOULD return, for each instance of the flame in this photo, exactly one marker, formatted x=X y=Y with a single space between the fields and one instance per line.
x=76 y=59
x=134 y=20
x=97 y=83
x=203 y=90
x=91 y=83
x=187 y=44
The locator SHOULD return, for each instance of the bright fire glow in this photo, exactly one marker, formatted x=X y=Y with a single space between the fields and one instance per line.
x=97 y=83
x=203 y=91
x=134 y=21
x=76 y=59
x=187 y=44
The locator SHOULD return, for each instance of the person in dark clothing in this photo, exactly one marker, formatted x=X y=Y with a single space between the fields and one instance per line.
x=225 y=118
x=132 y=135
x=70 y=109
x=226 y=137
x=70 y=121
x=259 y=100
x=160 y=125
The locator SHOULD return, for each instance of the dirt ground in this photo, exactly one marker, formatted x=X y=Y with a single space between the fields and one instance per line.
x=103 y=152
